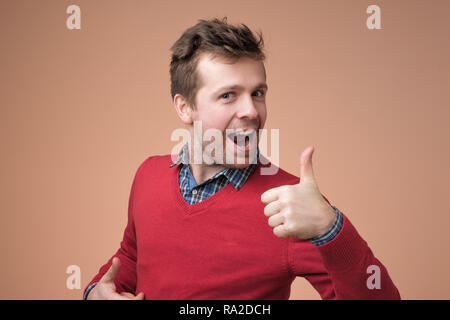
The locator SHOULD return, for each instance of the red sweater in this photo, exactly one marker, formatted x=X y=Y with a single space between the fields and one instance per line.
x=223 y=247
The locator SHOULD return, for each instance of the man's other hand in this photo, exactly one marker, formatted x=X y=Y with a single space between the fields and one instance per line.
x=105 y=289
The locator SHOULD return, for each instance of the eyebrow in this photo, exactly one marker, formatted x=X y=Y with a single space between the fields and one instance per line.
x=236 y=86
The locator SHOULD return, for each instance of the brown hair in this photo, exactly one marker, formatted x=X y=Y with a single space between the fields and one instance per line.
x=216 y=37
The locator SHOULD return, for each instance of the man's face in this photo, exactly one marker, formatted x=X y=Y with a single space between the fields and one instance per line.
x=233 y=96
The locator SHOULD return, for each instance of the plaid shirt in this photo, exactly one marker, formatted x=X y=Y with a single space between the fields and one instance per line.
x=195 y=193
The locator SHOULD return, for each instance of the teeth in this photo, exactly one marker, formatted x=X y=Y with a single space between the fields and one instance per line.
x=241 y=137
x=241 y=133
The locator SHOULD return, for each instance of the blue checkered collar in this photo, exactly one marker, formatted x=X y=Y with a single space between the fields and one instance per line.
x=237 y=177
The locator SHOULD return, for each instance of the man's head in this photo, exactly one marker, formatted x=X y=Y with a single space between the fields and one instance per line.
x=218 y=78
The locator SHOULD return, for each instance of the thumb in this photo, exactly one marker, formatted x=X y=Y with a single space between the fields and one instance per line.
x=112 y=272
x=131 y=296
x=140 y=296
x=306 y=169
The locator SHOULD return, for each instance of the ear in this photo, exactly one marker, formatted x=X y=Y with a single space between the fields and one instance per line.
x=183 y=109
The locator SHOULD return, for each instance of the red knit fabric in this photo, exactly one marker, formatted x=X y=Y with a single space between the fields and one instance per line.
x=223 y=247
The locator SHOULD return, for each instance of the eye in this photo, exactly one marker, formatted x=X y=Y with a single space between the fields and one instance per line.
x=225 y=94
x=262 y=93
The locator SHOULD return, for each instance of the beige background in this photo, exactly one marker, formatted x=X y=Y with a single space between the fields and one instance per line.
x=81 y=109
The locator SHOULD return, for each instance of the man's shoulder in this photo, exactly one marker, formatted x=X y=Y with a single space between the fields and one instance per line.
x=160 y=159
x=156 y=162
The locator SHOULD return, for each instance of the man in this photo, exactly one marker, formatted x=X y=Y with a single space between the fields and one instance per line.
x=222 y=229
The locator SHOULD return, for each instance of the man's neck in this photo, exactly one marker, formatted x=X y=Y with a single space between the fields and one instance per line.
x=203 y=172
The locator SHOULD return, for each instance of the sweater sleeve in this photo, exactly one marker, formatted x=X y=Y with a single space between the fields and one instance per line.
x=126 y=278
x=344 y=268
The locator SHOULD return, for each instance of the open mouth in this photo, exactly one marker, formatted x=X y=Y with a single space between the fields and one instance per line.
x=242 y=139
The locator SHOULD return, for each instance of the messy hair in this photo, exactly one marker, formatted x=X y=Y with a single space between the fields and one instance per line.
x=217 y=38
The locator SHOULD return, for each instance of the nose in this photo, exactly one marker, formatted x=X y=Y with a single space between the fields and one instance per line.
x=247 y=109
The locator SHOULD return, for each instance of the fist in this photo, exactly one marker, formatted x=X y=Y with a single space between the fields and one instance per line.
x=299 y=210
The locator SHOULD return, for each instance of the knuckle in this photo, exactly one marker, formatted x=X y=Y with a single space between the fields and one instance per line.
x=288 y=213
x=275 y=232
x=284 y=202
x=279 y=233
x=290 y=227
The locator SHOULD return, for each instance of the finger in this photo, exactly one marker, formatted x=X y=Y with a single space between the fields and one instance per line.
x=276 y=220
x=306 y=169
x=280 y=231
x=116 y=296
x=270 y=195
x=127 y=295
x=112 y=272
x=140 y=296
x=272 y=208
x=131 y=296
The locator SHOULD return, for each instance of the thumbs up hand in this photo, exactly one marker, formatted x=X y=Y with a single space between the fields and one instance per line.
x=299 y=210
x=105 y=289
